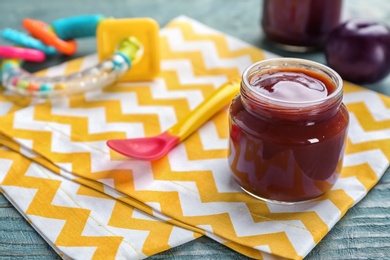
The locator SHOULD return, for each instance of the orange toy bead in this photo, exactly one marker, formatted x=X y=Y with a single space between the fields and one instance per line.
x=33 y=87
x=43 y=32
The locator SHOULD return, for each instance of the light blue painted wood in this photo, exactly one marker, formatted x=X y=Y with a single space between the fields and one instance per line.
x=363 y=233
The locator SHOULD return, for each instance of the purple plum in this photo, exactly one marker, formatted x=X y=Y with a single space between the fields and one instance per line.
x=359 y=50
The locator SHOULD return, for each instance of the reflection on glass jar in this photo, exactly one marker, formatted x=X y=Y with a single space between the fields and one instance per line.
x=300 y=25
x=287 y=128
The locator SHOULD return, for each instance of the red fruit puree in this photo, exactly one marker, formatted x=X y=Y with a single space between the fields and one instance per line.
x=287 y=134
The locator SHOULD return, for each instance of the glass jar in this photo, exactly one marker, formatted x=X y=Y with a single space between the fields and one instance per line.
x=300 y=25
x=287 y=130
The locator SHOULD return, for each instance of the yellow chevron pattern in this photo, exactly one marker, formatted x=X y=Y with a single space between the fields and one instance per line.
x=61 y=165
x=56 y=199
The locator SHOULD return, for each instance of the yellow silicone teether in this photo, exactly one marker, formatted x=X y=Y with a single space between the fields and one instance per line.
x=112 y=31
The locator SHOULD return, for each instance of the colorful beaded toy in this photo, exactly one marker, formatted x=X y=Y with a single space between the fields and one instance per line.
x=120 y=43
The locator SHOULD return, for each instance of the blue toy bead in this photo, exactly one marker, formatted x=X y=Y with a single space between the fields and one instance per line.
x=9 y=65
x=44 y=87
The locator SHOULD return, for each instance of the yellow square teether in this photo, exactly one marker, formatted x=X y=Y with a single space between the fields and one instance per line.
x=111 y=32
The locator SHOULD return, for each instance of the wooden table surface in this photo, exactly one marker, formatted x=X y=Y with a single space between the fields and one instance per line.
x=364 y=232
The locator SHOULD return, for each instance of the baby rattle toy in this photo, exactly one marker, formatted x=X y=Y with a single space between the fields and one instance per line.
x=121 y=44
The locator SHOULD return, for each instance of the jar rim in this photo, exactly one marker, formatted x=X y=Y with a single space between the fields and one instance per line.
x=293 y=62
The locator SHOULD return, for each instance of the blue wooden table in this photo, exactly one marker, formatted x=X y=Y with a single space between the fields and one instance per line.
x=364 y=232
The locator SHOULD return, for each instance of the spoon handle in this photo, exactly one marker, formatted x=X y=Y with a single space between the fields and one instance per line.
x=209 y=107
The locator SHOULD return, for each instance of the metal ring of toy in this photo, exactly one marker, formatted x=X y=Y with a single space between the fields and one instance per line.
x=41 y=30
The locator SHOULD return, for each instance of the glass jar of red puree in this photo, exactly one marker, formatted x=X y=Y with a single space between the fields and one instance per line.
x=287 y=130
x=300 y=25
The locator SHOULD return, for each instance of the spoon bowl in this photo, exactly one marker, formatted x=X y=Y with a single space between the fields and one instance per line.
x=145 y=148
x=153 y=148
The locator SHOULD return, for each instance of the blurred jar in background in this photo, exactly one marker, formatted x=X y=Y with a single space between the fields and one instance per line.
x=300 y=25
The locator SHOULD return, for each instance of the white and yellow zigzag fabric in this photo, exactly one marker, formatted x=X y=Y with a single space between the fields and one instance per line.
x=91 y=203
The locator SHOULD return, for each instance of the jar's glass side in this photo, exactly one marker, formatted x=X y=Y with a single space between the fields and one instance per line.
x=285 y=162
x=294 y=151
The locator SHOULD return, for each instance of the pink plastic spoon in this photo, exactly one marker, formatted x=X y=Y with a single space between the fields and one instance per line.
x=153 y=148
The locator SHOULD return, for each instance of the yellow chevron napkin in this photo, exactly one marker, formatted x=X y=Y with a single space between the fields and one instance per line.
x=89 y=202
